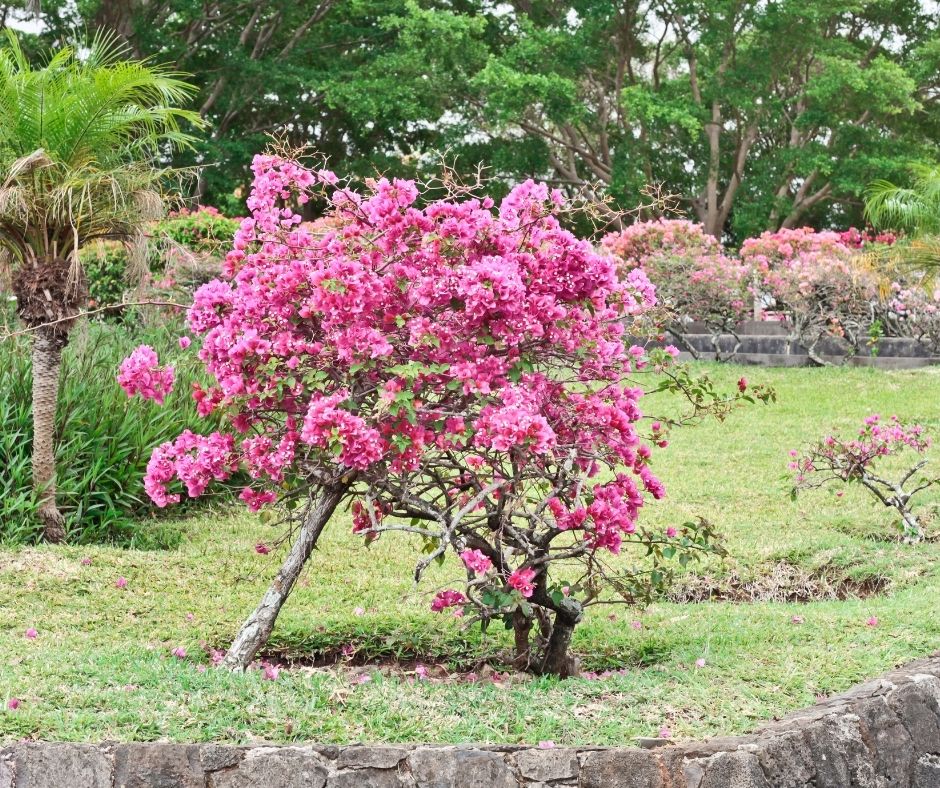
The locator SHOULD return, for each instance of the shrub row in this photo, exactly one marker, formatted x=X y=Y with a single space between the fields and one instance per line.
x=826 y=285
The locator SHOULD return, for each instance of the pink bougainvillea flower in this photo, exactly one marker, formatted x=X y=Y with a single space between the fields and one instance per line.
x=270 y=672
x=190 y=617
x=13 y=704
x=121 y=582
x=262 y=549
x=421 y=671
x=872 y=621
x=141 y=373
x=548 y=744
x=348 y=650
x=475 y=561
x=200 y=668
x=216 y=657
x=31 y=634
x=86 y=561
x=671 y=532
x=445 y=599
x=742 y=385
x=521 y=580
x=665 y=733
x=179 y=652
x=365 y=678
x=185 y=342
x=636 y=624
x=359 y=611
x=700 y=662
x=796 y=619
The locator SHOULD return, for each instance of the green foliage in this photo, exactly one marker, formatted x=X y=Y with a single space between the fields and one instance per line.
x=203 y=231
x=105 y=267
x=106 y=438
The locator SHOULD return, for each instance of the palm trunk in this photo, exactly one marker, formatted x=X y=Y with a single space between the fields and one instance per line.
x=256 y=630
x=47 y=357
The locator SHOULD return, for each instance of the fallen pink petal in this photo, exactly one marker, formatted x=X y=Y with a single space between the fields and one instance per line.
x=121 y=582
x=31 y=634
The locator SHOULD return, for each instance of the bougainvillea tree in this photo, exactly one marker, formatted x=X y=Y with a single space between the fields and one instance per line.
x=864 y=460
x=694 y=278
x=819 y=282
x=453 y=370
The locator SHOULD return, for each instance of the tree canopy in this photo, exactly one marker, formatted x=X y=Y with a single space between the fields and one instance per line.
x=753 y=115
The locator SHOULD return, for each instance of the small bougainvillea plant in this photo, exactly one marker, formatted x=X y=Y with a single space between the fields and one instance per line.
x=451 y=369
x=862 y=460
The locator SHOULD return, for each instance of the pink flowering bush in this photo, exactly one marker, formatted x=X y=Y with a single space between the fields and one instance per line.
x=693 y=276
x=455 y=370
x=818 y=282
x=912 y=310
x=862 y=460
x=141 y=373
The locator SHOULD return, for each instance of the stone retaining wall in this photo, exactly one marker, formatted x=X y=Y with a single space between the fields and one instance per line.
x=884 y=733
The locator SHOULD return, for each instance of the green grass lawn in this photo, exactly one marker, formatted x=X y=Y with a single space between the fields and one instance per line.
x=101 y=667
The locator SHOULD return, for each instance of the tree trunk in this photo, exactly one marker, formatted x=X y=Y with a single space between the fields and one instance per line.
x=47 y=357
x=522 y=629
x=256 y=630
x=558 y=661
x=912 y=529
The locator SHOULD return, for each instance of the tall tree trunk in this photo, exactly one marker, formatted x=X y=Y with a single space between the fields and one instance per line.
x=47 y=358
x=256 y=630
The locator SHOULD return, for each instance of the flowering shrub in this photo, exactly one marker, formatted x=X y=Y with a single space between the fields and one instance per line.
x=859 y=460
x=909 y=310
x=456 y=371
x=692 y=274
x=817 y=281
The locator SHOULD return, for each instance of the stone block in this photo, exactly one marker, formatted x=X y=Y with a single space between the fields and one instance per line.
x=362 y=757
x=460 y=768
x=547 y=765
x=54 y=765
x=622 y=769
x=274 y=767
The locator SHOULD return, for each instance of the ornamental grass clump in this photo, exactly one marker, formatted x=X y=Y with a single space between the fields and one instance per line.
x=864 y=460
x=452 y=369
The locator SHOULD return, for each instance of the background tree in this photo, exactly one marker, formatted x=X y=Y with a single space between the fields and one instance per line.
x=757 y=115
x=363 y=80
x=79 y=145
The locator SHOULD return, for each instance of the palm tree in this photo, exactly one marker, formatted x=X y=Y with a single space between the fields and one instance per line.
x=915 y=210
x=80 y=146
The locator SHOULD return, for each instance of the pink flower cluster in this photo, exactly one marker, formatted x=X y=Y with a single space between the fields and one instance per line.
x=141 y=373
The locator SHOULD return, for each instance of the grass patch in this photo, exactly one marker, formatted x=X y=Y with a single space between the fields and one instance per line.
x=101 y=666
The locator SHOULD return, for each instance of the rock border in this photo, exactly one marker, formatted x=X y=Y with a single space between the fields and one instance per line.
x=880 y=734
